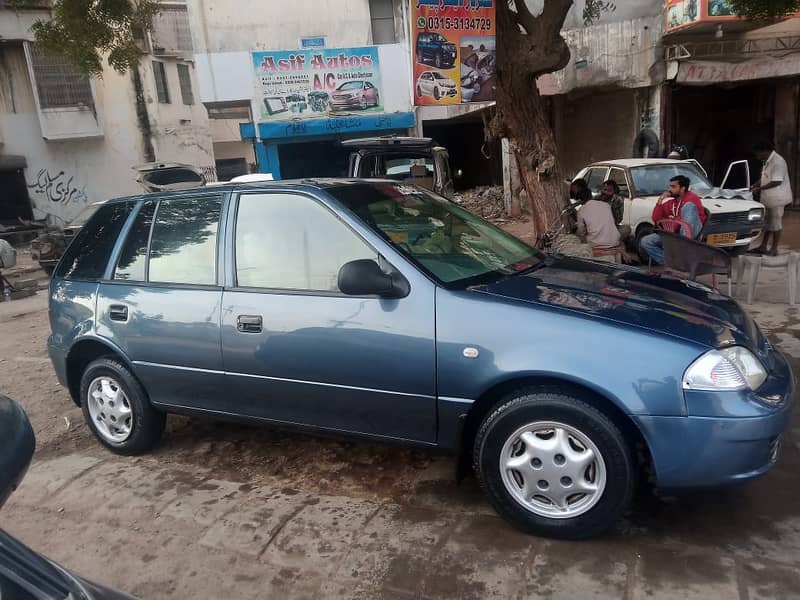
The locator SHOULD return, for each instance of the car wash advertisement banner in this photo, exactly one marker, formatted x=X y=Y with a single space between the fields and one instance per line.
x=453 y=51
x=292 y=84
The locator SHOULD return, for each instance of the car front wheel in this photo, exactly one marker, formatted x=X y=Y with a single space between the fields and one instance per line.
x=117 y=409
x=436 y=94
x=553 y=465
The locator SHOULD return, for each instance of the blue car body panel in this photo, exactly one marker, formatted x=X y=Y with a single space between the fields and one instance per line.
x=410 y=369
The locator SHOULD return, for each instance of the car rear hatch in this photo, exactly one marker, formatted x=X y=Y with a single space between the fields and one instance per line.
x=161 y=177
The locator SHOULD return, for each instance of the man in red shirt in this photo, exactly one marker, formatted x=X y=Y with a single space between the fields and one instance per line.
x=676 y=203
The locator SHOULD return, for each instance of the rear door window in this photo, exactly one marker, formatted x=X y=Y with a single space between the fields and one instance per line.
x=132 y=262
x=618 y=175
x=88 y=255
x=595 y=178
x=183 y=249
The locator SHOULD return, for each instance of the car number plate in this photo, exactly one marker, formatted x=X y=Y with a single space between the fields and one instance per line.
x=721 y=239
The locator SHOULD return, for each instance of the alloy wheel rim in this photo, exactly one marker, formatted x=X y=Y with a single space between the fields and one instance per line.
x=110 y=409
x=553 y=470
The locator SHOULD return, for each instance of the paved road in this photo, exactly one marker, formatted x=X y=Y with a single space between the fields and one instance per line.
x=226 y=511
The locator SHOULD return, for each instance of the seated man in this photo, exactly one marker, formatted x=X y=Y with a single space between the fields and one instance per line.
x=610 y=194
x=596 y=222
x=676 y=203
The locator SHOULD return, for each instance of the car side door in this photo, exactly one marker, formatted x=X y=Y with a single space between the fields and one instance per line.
x=619 y=176
x=297 y=350
x=160 y=303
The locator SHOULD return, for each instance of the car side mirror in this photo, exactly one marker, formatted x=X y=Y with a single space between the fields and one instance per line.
x=365 y=278
x=17 y=444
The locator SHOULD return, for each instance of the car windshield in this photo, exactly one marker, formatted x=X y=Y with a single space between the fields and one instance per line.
x=84 y=215
x=653 y=180
x=438 y=76
x=351 y=85
x=455 y=247
x=439 y=38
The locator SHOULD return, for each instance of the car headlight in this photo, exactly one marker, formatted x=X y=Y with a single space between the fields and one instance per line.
x=732 y=368
x=755 y=214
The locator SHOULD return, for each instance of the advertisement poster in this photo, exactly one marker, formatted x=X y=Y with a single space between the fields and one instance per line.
x=293 y=84
x=453 y=51
x=681 y=13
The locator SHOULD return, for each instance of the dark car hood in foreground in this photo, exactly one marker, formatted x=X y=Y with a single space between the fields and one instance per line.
x=21 y=564
x=684 y=309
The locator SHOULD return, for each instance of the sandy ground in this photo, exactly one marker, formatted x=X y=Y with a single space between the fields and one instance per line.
x=228 y=511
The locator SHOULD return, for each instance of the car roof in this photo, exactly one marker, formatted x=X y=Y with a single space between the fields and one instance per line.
x=627 y=163
x=294 y=185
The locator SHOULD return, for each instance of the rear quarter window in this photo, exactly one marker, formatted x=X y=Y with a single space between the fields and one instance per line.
x=90 y=250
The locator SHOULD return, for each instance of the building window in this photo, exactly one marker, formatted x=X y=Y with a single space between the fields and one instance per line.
x=58 y=84
x=170 y=33
x=185 y=80
x=228 y=168
x=382 y=16
x=162 y=88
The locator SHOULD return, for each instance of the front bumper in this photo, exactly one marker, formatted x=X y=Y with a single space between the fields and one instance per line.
x=739 y=443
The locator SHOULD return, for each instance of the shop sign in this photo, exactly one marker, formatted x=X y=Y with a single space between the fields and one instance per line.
x=300 y=84
x=685 y=14
x=453 y=51
x=708 y=72
x=312 y=42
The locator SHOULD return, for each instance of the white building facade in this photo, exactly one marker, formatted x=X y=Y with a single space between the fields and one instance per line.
x=66 y=141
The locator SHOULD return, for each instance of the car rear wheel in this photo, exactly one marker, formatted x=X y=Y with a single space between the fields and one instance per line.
x=553 y=465
x=117 y=409
x=438 y=60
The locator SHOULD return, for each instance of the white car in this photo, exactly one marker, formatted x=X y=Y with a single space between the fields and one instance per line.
x=433 y=83
x=734 y=220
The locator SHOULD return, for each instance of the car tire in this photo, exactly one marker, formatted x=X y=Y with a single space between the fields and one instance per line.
x=582 y=433
x=436 y=94
x=108 y=388
x=377 y=99
x=363 y=103
x=419 y=92
x=437 y=60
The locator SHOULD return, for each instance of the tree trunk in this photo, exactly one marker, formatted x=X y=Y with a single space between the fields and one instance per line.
x=533 y=143
x=529 y=46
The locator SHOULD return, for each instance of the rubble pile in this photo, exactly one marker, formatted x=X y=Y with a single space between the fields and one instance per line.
x=485 y=202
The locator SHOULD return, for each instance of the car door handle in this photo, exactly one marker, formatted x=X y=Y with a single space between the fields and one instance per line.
x=118 y=312
x=249 y=323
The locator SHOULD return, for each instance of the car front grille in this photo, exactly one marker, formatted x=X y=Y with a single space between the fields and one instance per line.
x=739 y=218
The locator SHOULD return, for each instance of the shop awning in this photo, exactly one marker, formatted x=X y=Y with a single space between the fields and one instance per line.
x=338 y=125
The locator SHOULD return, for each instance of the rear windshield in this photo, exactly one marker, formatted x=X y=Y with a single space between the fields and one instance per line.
x=84 y=215
x=87 y=256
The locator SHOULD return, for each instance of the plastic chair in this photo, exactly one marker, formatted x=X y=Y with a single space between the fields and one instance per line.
x=695 y=258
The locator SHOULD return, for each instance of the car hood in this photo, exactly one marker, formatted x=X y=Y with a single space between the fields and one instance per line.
x=630 y=296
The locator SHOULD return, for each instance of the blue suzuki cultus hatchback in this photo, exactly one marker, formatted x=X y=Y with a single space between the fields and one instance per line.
x=374 y=309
